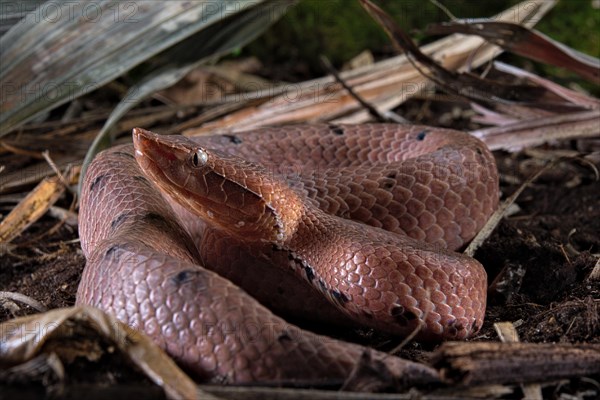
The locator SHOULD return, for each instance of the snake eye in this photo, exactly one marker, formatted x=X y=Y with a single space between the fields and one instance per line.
x=199 y=158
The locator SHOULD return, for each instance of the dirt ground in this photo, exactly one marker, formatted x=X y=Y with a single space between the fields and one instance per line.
x=538 y=260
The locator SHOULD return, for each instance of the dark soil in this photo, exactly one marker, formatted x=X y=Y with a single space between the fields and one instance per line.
x=543 y=256
x=44 y=267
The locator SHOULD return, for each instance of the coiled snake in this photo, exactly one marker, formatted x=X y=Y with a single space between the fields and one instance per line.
x=288 y=197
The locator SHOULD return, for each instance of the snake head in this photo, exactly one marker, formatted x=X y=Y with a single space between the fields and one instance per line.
x=240 y=197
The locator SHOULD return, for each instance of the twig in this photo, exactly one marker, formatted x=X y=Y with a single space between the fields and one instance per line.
x=444 y=9
x=388 y=116
x=21 y=298
x=19 y=151
x=255 y=393
x=406 y=340
x=534 y=132
x=489 y=363
x=30 y=209
x=595 y=274
x=46 y=155
x=67 y=216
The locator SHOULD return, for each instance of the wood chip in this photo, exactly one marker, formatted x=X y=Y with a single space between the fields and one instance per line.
x=494 y=363
x=506 y=332
x=30 y=209
x=595 y=274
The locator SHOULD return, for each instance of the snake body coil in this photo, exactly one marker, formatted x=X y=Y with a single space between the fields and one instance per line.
x=286 y=196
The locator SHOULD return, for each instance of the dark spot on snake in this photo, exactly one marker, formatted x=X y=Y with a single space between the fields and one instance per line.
x=119 y=220
x=183 y=277
x=322 y=285
x=391 y=175
x=339 y=296
x=397 y=311
x=402 y=315
x=111 y=251
x=124 y=154
x=338 y=130
x=142 y=179
x=155 y=218
x=284 y=337
x=310 y=274
x=388 y=185
x=451 y=331
x=233 y=139
x=421 y=135
x=454 y=328
x=159 y=222
x=96 y=181
x=409 y=315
